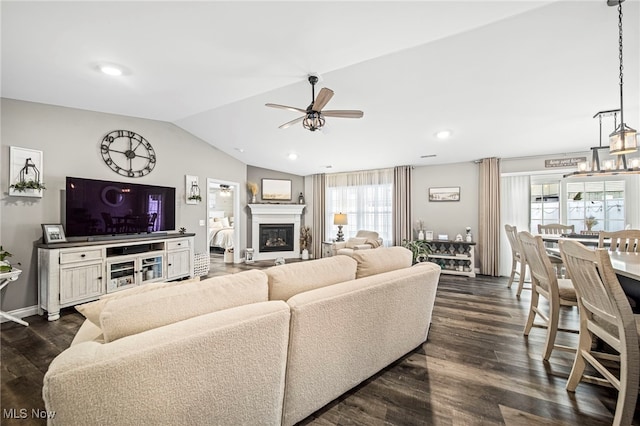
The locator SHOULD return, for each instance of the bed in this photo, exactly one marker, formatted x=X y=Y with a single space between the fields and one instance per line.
x=220 y=233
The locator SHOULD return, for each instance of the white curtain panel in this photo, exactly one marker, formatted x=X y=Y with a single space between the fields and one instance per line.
x=367 y=199
x=514 y=211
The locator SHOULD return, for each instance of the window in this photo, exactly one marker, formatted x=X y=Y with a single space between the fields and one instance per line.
x=596 y=206
x=545 y=203
x=366 y=197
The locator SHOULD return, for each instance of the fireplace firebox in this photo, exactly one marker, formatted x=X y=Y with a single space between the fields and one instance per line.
x=276 y=237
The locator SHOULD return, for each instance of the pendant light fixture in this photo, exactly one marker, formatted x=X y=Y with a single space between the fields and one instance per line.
x=624 y=139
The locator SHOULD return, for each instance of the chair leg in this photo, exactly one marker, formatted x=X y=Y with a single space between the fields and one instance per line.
x=627 y=394
x=552 y=328
x=535 y=296
x=523 y=271
x=513 y=273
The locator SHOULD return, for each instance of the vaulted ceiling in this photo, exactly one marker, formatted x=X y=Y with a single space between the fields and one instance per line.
x=508 y=78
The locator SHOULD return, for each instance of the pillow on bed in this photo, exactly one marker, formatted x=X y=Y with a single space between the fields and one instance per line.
x=216 y=225
x=224 y=221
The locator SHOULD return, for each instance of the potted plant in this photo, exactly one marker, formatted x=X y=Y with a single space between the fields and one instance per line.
x=590 y=222
x=5 y=266
x=24 y=185
x=420 y=249
x=305 y=241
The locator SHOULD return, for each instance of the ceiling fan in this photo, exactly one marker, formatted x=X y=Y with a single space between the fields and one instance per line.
x=313 y=118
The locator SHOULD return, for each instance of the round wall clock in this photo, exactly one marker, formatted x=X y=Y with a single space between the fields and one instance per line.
x=128 y=153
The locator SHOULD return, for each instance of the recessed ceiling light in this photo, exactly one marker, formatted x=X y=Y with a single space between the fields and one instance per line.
x=443 y=134
x=293 y=156
x=110 y=69
x=239 y=149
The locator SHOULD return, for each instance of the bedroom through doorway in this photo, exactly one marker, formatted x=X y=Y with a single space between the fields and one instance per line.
x=223 y=206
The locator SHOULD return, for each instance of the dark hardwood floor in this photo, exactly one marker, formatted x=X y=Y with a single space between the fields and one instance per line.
x=476 y=367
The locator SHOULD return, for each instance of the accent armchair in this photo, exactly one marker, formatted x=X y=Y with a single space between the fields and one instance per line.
x=364 y=240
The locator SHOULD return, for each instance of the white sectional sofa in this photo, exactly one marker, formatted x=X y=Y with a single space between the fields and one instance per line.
x=258 y=347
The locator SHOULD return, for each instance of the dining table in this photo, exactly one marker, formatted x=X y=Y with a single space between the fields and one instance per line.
x=626 y=264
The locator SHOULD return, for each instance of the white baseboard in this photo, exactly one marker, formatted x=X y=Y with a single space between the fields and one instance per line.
x=22 y=313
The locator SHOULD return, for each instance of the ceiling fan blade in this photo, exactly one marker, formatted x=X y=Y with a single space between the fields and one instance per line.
x=290 y=108
x=343 y=113
x=292 y=122
x=322 y=99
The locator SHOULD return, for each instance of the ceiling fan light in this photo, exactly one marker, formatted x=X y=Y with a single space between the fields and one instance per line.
x=313 y=121
x=623 y=140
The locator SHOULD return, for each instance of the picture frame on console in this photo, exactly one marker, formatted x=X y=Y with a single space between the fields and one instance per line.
x=276 y=189
x=53 y=233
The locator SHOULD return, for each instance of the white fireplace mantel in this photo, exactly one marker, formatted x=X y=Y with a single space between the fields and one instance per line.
x=271 y=214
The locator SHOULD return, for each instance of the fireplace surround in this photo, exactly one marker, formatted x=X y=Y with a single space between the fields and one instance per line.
x=275 y=230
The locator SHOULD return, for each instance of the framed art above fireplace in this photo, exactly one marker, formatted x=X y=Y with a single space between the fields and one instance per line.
x=276 y=189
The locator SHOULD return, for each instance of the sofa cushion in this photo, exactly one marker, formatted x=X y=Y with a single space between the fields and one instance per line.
x=92 y=310
x=353 y=242
x=139 y=312
x=293 y=278
x=383 y=259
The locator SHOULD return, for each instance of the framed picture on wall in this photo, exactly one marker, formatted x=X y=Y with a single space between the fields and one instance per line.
x=450 y=193
x=276 y=189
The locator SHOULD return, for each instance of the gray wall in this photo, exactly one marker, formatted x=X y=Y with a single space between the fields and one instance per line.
x=450 y=217
x=70 y=140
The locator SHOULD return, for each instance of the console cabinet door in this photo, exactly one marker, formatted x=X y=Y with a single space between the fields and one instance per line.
x=81 y=281
x=178 y=264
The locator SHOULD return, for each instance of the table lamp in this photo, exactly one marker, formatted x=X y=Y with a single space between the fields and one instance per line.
x=340 y=219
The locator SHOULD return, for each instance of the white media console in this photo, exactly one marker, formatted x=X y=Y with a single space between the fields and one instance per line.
x=71 y=273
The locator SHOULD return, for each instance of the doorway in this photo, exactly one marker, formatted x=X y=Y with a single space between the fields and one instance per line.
x=223 y=208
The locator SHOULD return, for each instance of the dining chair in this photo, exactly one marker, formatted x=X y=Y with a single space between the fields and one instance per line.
x=604 y=314
x=556 y=229
x=627 y=240
x=518 y=265
x=544 y=282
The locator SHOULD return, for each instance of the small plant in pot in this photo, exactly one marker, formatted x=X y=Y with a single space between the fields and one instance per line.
x=5 y=266
x=305 y=241
x=420 y=249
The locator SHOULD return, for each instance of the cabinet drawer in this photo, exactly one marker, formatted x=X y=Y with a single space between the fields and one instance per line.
x=180 y=244
x=80 y=256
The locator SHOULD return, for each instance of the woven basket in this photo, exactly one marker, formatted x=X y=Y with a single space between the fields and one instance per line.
x=201 y=263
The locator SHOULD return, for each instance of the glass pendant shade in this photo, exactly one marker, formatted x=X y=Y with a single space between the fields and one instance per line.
x=623 y=140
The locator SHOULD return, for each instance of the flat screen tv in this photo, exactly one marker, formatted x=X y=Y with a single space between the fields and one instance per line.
x=97 y=207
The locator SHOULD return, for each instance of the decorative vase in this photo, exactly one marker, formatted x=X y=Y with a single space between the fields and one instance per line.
x=253 y=199
x=469 y=237
x=305 y=254
x=421 y=235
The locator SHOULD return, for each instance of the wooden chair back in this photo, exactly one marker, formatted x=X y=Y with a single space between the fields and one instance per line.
x=604 y=312
x=627 y=240
x=556 y=229
x=535 y=255
x=512 y=236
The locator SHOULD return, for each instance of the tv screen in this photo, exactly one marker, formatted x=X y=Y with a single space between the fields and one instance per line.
x=97 y=207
